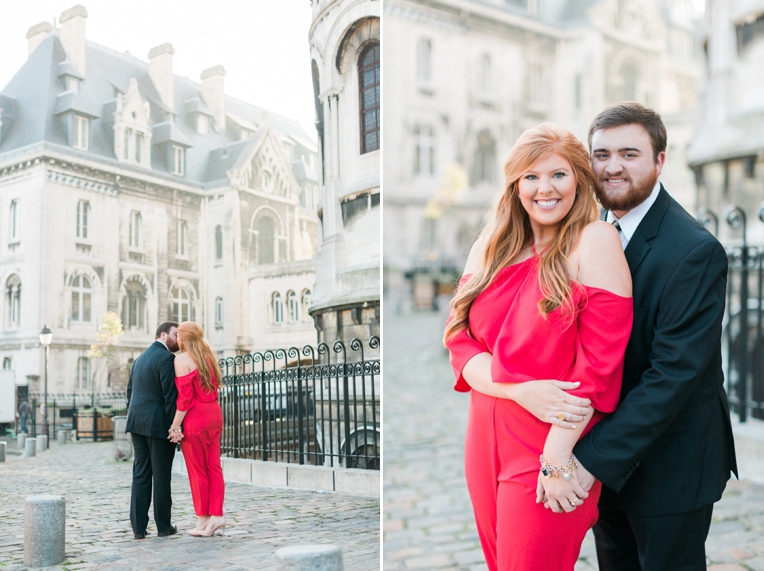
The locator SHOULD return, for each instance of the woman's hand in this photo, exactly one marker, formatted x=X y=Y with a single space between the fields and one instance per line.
x=558 y=494
x=175 y=435
x=547 y=399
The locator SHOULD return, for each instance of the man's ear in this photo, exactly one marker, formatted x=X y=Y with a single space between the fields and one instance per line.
x=660 y=161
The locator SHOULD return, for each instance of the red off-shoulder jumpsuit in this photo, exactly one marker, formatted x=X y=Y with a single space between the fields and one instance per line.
x=504 y=440
x=202 y=427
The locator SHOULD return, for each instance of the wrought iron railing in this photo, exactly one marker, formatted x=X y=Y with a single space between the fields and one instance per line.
x=316 y=405
x=743 y=327
x=301 y=406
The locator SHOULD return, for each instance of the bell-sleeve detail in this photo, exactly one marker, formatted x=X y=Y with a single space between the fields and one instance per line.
x=185 y=386
x=604 y=325
x=461 y=348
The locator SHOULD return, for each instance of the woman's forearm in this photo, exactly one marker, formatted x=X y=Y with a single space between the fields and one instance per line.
x=559 y=443
x=178 y=420
x=477 y=373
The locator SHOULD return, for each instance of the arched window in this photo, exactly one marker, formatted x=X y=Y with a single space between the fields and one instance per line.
x=368 y=83
x=483 y=169
x=180 y=305
x=83 y=373
x=13 y=297
x=219 y=311
x=266 y=241
x=278 y=308
x=307 y=299
x=218 y=242
x=134 y=306
x=630 y=76
x=294 y=307
x=81 y=299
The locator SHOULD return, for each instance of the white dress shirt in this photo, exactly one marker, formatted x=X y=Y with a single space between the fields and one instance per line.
x=633 y=217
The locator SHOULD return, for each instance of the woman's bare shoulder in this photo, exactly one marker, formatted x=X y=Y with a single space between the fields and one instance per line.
x=601 y=262
x=184 y=364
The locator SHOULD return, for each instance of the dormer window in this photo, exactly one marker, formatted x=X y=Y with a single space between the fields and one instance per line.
x=178 y=163
x=81 y=131
x=138 y=146
x=202 y=124
x=72 y=83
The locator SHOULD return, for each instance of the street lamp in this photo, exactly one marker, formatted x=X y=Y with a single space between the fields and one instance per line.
x=46 y=337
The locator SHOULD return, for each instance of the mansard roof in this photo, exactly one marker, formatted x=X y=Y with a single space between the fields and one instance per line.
x=38 y=95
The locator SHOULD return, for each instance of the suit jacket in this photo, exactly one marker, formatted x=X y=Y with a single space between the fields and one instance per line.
x=151 y=392
x=668 y=447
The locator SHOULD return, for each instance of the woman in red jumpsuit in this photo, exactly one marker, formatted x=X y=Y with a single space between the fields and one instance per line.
x=546 y=294
x=197 y=378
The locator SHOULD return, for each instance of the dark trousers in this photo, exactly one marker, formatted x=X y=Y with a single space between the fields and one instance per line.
x=630 y=542
x=152 y=464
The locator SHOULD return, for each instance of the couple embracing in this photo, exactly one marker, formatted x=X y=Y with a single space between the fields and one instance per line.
x=593 y=352
x=171 y=399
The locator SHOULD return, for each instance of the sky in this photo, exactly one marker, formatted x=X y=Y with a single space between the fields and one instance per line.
x=262 y=44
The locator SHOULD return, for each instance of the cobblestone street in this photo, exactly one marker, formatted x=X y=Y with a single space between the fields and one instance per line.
x=427 y=520
x=98 y=536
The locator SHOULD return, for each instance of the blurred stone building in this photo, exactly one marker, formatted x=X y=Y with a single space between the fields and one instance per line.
x=345 y=53
x=727 y=153
x=467 y=77
x=127 y=188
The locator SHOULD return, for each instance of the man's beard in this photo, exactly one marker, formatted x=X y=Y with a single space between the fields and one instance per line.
x=172 y=346
x=633 y=197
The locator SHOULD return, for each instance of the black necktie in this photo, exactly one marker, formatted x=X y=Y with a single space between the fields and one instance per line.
x=617 y=226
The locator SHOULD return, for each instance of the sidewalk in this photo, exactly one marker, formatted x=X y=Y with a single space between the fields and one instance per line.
x=98 y=536
x=428 y=521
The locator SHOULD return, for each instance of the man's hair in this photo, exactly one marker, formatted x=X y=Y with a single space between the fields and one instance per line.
x=630 y=113
x=165 y=328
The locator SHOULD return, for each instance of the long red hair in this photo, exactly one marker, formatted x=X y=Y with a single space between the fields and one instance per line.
x=191 y=341
x=508 y=229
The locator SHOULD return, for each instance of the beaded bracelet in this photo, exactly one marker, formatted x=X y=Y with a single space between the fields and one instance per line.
x=551 y=471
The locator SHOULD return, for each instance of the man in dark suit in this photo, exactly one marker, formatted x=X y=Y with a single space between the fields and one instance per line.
x=665 y=455
x=151 y=397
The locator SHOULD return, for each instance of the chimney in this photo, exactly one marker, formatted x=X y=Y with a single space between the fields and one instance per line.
x=72 y=35
x=160 y=71
x=36 y=35
x=213 y=94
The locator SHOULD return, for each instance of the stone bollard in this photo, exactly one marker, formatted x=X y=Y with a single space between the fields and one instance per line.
x=310 y=558
x=2 y=451
x=30 y=447
x=44 y=531
x=21 y=439
x=61 y=436
x=42 y=443
x=123 y=441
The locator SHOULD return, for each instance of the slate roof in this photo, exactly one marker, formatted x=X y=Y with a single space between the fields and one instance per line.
x=36 y=94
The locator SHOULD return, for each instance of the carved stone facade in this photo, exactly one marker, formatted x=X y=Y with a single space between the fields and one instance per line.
x=126 y=188
x=466 y=78
x=345 y=53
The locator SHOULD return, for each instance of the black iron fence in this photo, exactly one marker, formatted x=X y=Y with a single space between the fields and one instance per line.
x=89 y=414
x=301 y=406
x=743 y=328
x=316 y=405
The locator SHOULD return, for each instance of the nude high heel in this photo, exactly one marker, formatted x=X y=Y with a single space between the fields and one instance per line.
x=212 y=528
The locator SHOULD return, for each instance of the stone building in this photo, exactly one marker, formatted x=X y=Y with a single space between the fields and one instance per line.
x=126 y=188
x=345 y=53
x=467 y=77
x=727 y=153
